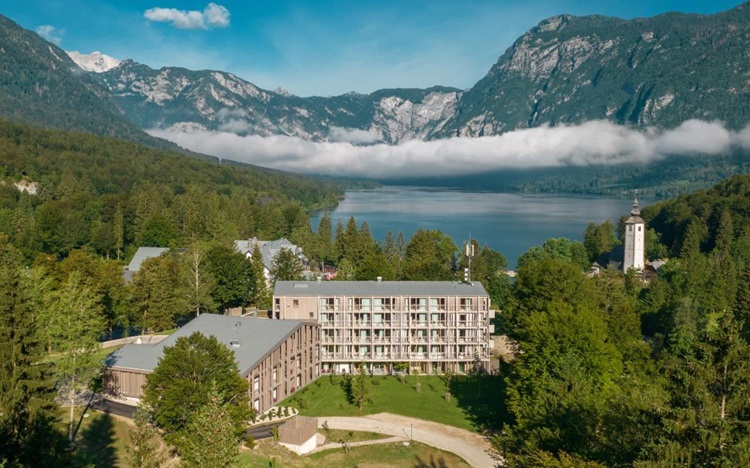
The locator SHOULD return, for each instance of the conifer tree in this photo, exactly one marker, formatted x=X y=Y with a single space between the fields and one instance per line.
x=144 y=448
x=212 y=439
x=261 y=292
x=25 y=391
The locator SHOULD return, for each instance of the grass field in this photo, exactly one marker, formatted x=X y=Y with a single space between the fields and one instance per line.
x=475 y=403
x=266 y=454
x=100 y=439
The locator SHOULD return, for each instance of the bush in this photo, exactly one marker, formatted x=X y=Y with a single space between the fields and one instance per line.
x=375 y=381
x=250 y=442
x=303 y=403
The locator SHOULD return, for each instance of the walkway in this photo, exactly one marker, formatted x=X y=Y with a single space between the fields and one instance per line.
x=472 y=447
x=338 y=445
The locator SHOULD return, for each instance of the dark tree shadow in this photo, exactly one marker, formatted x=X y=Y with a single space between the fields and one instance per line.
x=431 y=463
x=97 y=443
x=483 y=398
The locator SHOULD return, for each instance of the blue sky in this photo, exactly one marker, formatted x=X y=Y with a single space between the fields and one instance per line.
x=323 y=47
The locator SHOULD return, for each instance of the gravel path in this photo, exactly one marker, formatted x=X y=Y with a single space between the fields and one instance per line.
x=473 y=448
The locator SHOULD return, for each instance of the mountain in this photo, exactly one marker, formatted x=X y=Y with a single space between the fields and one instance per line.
x=656 y=71
x=94 y=62
x=184 y=99
x=647 y=71
x=40 y=84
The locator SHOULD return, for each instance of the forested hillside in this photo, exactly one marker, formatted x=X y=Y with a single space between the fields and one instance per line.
x=111 y=195
x=612 y=371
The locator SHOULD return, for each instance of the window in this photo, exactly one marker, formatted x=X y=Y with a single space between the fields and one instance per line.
x=295 y=303
x=639 y=228
x=256 y=384
x=419 y=303
x=312 y=314
x=630 y=228
x=274 y=375
x=466 y=303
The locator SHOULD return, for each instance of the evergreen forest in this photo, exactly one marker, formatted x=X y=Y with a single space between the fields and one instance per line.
x=609 y=369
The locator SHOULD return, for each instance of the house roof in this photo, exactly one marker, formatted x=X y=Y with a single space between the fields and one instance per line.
x=251 y=340
x=268 y=249
x=378 y=288
x=142 y=254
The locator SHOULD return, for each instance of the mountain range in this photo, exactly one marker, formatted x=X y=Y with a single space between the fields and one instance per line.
x=657 y=71
x=644 y=72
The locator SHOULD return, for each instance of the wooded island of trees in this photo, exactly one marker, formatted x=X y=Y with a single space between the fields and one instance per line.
x=610 y=370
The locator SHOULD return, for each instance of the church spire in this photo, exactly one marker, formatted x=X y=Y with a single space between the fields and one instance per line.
x=636 y=211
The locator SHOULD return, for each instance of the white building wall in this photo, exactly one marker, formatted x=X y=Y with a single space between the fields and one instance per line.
x=635 y=240
x=306 y=447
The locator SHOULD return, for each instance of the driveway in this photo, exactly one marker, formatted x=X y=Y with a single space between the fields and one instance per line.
x=473 y=448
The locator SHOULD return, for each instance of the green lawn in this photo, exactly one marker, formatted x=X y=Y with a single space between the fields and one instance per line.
x=380 y=455
x=100 y=439
x=475 y=403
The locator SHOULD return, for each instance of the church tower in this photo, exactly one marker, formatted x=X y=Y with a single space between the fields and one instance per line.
x=635 y=232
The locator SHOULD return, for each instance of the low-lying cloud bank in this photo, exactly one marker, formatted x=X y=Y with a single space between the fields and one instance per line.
x=595 y=142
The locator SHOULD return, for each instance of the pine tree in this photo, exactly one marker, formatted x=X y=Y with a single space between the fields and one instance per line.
x=359 y=387
x=261 y=291
x=212 y=439
x=325 y=241
x=118 y=226
x=25 y=392
x=286 y=266
x=144 y=449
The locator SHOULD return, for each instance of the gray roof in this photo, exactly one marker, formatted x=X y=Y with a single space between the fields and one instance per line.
x=378 y=288
x=268 y=249
x=255 y=337
x=144 y=253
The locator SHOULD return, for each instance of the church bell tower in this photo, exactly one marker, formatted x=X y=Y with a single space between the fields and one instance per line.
x=635 y=232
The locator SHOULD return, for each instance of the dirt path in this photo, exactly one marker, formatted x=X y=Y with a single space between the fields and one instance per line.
x=473 y=448
x=338 y=445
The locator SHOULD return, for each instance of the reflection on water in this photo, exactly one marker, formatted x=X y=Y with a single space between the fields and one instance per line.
x=509 y=223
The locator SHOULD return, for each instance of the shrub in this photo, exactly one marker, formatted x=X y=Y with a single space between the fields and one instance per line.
x=303 y=403
x=250 y=442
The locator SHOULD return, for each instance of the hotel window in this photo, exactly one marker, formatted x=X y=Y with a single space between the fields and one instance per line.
x=295 y=302
x=466 y=303
x=419 y=303
x=256 y=384
x=274 y=376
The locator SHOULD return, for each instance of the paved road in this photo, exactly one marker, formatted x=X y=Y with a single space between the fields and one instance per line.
x=126 y=411
x=472 y=447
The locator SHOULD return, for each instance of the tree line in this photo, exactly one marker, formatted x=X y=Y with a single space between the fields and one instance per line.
x=612 y=371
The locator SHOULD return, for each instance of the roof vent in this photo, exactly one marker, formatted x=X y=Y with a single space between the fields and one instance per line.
x=380 y=279
x=234 y=343
x=300 y=285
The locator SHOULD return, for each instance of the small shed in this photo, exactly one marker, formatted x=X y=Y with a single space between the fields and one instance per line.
x=299 y=434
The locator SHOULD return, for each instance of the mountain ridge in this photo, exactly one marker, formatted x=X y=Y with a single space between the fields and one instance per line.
x=657 y=71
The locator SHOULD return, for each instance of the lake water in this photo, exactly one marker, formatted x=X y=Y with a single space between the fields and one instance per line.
x=506 y=222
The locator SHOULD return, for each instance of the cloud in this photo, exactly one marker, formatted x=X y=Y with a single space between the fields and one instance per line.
x=595 y=142
x=51 y=33
x=213 y=16
x=353 y=135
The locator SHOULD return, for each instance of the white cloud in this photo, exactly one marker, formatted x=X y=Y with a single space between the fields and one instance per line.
x=353 y=135
x=51 y=33
x=595 y=142
x=213 y=16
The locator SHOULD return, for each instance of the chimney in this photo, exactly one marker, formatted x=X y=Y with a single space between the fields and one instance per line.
x=380 y=279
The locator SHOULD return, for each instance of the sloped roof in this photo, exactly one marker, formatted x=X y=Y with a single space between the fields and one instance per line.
x=378 y=288
x=144 y=253
x=268 y=249
x=251 y=340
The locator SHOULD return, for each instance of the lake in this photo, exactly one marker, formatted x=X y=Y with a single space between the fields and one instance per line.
x=507 y=222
